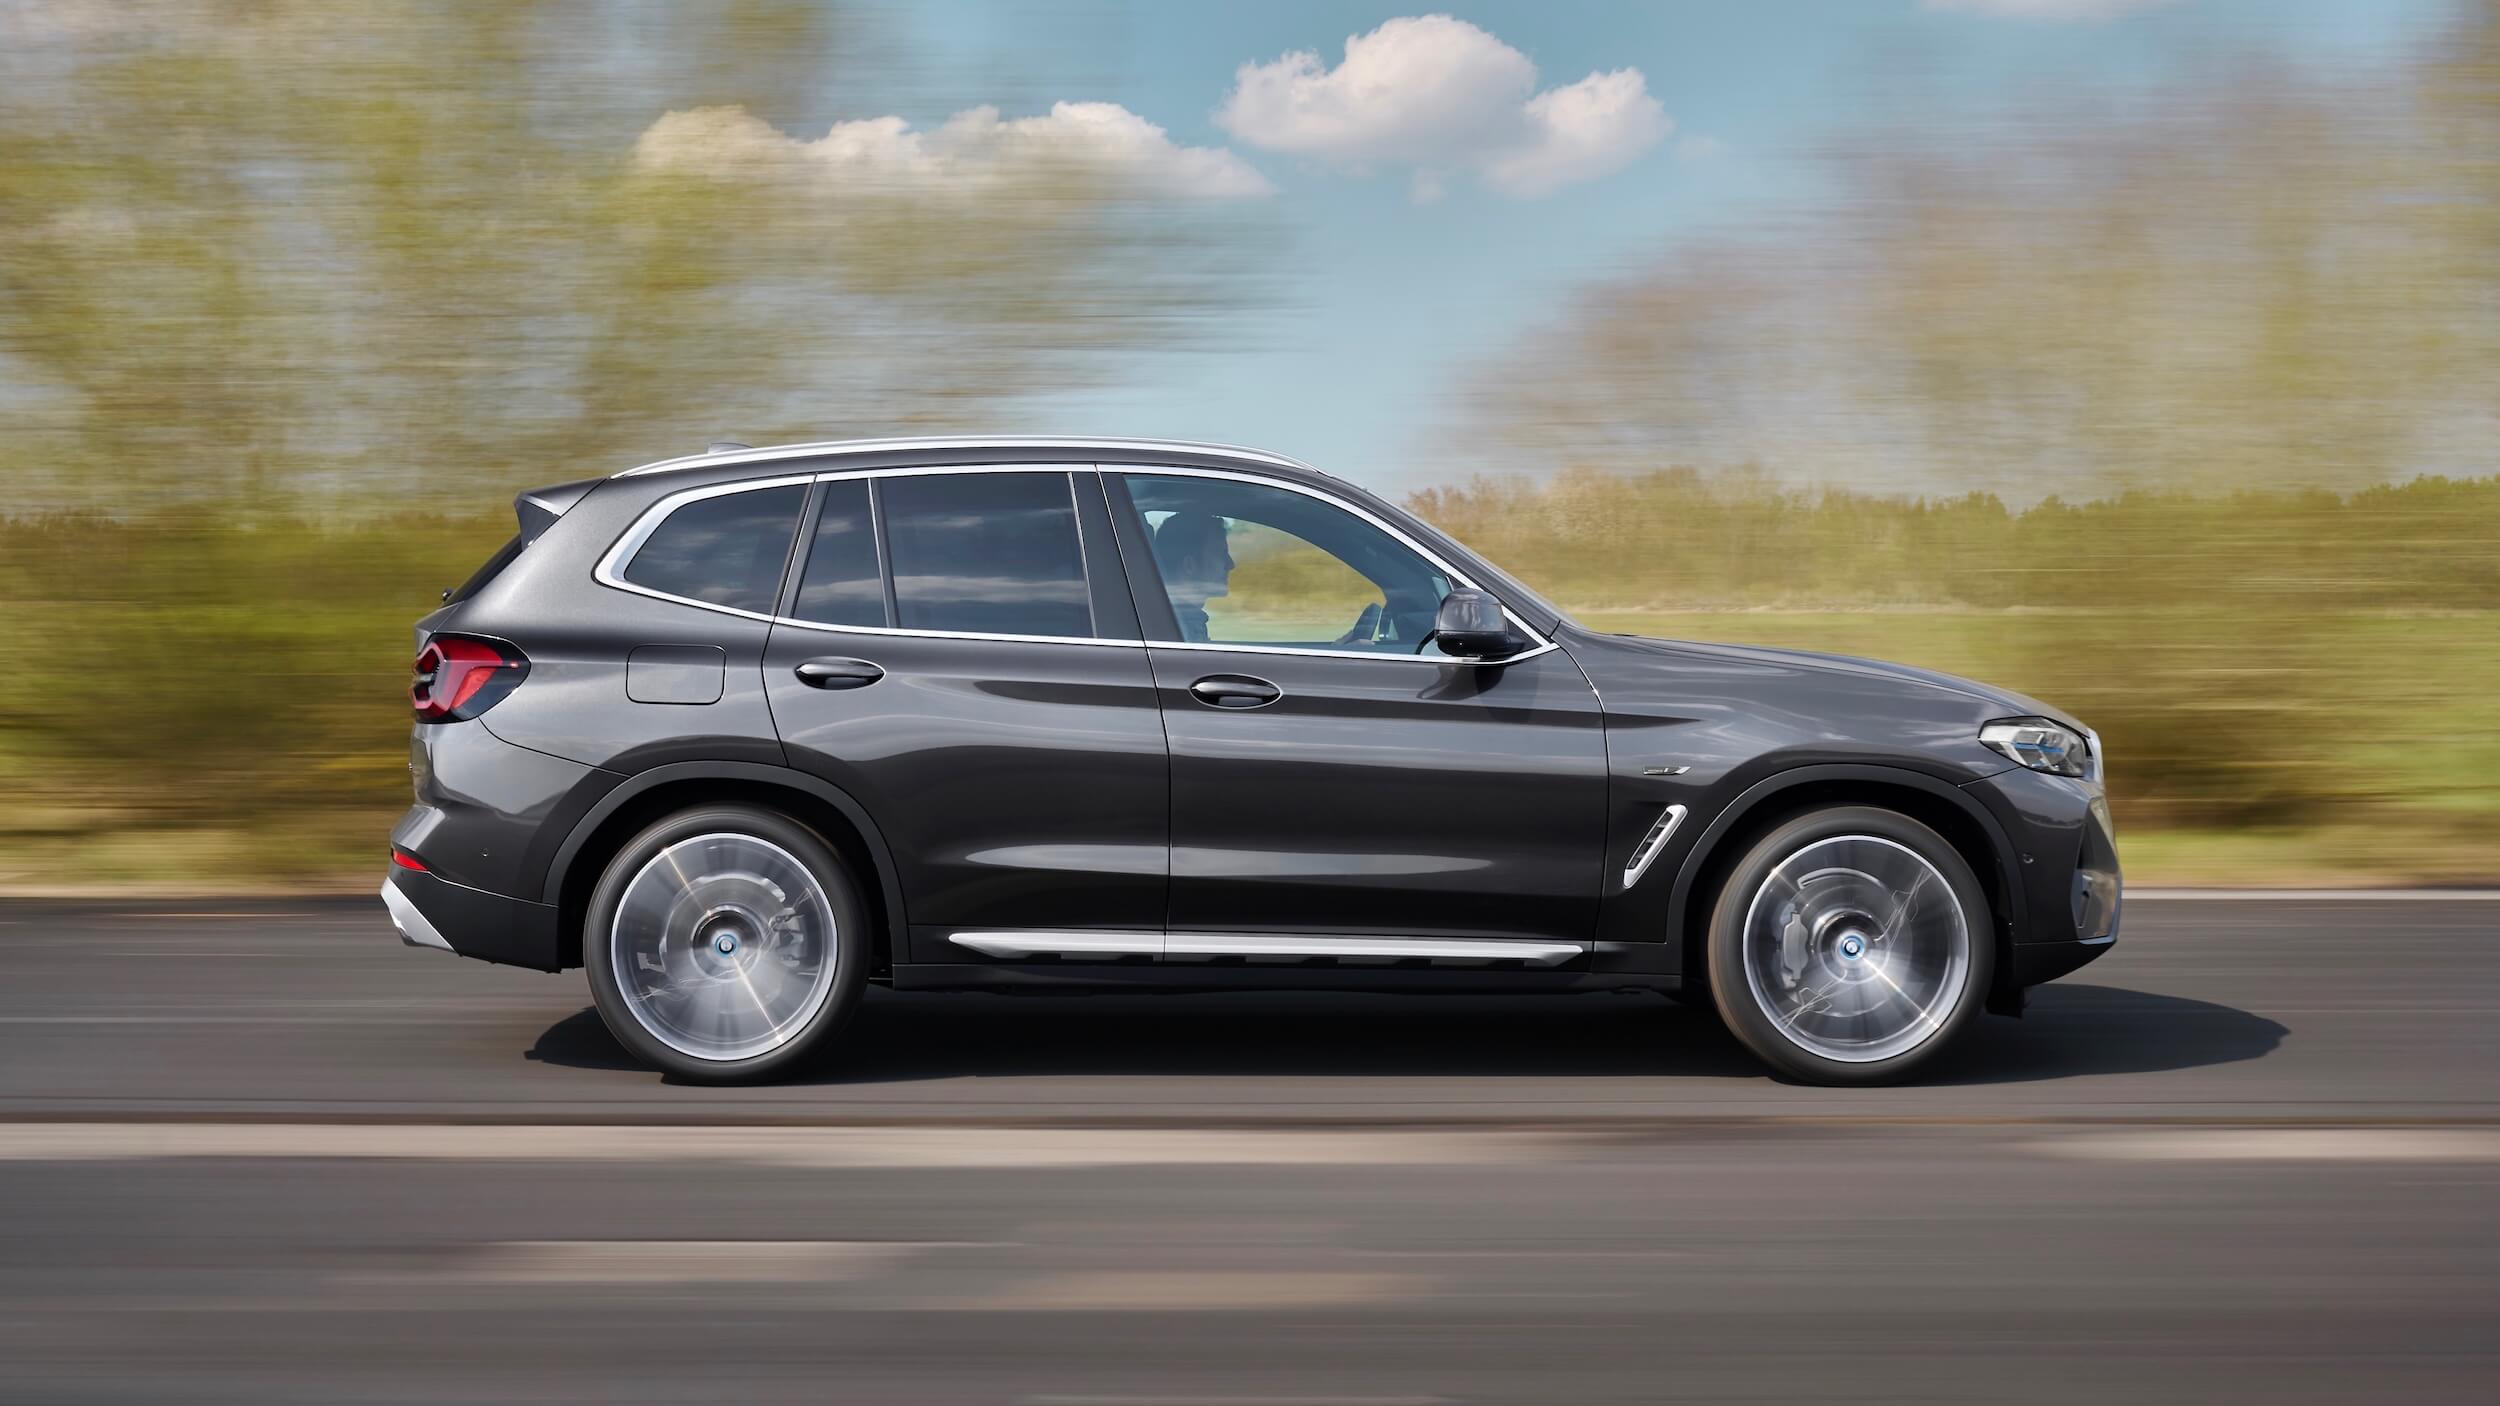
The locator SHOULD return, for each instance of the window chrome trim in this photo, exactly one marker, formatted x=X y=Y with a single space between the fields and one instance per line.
x=1538 y=642
x=609 y=571
x=908 y=443
x=611 y=568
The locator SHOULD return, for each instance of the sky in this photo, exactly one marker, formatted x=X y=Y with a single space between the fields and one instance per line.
x=1443 y=187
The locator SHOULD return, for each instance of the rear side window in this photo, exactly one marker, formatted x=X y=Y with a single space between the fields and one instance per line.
x=726 y=551
x=841 y=584
x=990 y=553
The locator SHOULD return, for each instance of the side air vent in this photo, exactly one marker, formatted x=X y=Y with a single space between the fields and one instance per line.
x=1650 y=844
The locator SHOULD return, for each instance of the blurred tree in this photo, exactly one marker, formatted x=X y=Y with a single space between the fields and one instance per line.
x=2188 y=309
x=278 y=277
x=259 y=251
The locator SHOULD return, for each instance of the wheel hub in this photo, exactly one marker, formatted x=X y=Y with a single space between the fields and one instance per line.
x=1856 y=948
x=723 y=946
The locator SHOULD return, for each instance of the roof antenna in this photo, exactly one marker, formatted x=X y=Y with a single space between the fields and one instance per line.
x=724 y=446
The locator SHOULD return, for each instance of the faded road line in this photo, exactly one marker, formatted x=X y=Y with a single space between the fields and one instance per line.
x=2280 y=1145
x=780 y=1147
x=2169 y=895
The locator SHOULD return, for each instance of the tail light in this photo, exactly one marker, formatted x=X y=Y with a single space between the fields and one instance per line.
x=461 y=676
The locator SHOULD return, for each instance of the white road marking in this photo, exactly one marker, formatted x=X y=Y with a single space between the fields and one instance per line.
x=1196 y=1291
x=2187 y=895
x=1231 y=1399
x=825 y=1147
x=644 y=1262
x=2280 y=1145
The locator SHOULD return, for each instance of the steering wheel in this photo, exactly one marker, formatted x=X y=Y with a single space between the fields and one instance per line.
x=1366 y=626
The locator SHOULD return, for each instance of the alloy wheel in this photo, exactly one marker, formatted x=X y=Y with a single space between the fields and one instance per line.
x=724 y=946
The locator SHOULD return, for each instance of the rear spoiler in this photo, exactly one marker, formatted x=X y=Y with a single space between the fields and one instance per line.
x=539 y=508
x=536 y=510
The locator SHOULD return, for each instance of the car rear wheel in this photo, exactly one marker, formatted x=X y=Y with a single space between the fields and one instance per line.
x=1850 y=945
x=725 y=944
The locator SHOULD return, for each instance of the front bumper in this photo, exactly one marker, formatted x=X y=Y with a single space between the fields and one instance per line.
x=431 y=911
x=2067 y=860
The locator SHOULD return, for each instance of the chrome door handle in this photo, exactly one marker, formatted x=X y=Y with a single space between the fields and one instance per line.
x=838 y=673
x=1235 y=691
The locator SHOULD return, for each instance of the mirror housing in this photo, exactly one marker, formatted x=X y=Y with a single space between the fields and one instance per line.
x=1470 y=625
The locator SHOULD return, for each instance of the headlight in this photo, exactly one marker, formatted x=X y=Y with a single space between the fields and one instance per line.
x=2040 y=745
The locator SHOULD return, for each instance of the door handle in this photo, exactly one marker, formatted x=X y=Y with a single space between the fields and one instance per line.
x=838 y=673
x=1235 y=691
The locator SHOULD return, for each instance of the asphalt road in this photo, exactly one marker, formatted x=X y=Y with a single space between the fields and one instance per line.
x=255 y=1152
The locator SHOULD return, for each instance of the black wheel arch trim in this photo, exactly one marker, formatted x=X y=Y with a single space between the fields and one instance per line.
x=1732 y=817
x=643 y=782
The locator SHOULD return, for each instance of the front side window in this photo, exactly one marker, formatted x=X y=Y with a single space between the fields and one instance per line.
x=726 y=550
x=986 y=553
x=1254 y=564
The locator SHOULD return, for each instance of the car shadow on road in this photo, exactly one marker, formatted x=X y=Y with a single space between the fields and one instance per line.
x=2071 y=1030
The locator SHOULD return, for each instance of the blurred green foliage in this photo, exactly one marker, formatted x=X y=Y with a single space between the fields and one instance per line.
x=2262 y=660
x=2145 y=409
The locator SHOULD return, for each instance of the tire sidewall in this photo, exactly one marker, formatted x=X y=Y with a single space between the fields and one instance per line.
x=851 y=947
x=1733 y=995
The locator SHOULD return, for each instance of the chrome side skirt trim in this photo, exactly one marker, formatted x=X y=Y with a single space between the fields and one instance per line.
x=1202 y=946
x=413 y=928
x=1061 y=944
x=1646 y=852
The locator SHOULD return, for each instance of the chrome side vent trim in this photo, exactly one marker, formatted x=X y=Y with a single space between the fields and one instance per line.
x=1651 y=843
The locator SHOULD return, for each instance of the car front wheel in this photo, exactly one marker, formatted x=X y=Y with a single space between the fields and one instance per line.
x=1850 y=945
x=725 y=944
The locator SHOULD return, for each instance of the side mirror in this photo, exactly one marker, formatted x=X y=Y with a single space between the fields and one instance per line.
x=1470 y=625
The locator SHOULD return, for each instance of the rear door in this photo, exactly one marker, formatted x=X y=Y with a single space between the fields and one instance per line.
x=958 y=652
x=1332 y=772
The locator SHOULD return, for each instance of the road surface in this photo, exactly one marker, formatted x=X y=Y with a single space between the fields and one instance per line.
x=257 y=1152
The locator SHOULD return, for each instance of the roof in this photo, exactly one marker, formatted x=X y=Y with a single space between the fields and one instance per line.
x=986 y=443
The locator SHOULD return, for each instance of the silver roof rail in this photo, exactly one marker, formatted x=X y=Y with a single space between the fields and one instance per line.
x=720 y=455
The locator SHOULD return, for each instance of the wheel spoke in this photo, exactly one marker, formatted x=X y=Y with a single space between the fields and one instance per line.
x=723 y=946
x=1848 y=951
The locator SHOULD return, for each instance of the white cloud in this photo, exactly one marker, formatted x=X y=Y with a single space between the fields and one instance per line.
x=2047 y=9
x=972 y=151
x=1440 y=94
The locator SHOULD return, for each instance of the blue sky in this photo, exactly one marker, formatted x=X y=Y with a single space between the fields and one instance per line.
x=1391 y=299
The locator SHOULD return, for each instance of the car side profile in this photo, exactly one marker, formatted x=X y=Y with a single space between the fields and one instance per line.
x=743 y=732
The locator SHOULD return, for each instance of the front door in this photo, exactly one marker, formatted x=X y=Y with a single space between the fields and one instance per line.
x=961 y=673
x=1331 y=771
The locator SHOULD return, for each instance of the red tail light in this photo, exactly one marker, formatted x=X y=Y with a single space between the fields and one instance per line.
x=405 y=860
x=461 y=676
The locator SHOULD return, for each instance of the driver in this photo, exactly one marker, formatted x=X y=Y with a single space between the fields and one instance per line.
x=1197 y=567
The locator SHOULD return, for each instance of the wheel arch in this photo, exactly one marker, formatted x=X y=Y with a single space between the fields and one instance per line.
x=646 y=796
x=1939 y=805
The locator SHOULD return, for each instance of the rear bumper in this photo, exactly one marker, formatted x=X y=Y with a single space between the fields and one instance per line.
x=430 y=911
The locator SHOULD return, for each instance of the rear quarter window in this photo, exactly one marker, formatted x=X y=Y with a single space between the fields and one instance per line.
x=727 y=550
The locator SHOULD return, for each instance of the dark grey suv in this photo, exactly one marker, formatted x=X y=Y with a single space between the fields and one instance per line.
x=744 y=732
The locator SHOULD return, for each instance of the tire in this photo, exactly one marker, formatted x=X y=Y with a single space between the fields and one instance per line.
x=725 y=944
x=1850 y=945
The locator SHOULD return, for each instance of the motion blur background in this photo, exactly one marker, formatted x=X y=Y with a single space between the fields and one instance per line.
x=2138 y=356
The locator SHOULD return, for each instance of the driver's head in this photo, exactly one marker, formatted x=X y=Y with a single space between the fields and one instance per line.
x=1197 y=565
